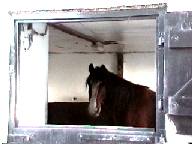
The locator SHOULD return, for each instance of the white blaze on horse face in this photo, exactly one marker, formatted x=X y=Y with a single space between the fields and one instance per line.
x=94 y=109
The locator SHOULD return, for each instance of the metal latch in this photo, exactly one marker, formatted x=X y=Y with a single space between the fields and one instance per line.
x=161 y=104
x=161 y=39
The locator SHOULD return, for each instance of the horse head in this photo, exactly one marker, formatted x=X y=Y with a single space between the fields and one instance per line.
x=96 y=83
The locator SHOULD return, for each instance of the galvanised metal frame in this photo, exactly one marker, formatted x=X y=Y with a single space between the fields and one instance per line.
x=50 y=134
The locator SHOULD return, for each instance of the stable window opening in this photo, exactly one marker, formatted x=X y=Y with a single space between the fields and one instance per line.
x=57 y=63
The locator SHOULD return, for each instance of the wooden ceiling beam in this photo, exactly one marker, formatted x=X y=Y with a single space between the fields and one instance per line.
x=75 y=33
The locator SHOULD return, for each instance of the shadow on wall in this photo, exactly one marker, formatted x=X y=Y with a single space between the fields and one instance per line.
x=183 y=124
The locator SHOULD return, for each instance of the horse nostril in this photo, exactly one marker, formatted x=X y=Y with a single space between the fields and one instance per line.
x=98 y=111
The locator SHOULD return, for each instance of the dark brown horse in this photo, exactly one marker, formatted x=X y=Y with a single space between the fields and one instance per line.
x=115 y=101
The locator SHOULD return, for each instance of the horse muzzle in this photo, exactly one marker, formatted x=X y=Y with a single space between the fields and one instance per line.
x=93 y=109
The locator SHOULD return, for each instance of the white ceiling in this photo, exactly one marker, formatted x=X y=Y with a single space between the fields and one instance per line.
x=131 y=35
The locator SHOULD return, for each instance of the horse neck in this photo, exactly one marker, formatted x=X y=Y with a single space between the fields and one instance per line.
x=113 y=79
x=117 y=82
x=116 y=85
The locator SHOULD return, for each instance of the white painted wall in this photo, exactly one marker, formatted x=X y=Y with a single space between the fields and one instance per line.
x=5 y=41
x=32 y=89
x=173 y=5
x=140 y=68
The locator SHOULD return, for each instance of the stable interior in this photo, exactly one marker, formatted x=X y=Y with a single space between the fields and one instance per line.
x=73 y=46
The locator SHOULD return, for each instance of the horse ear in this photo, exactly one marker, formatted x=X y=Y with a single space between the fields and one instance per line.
x=91 y=68
x=103 y=67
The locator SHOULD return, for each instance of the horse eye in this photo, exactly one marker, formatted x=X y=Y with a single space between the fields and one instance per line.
x=91 y=82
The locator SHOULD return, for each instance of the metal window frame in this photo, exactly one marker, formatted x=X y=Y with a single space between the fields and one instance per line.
x=83 y=134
